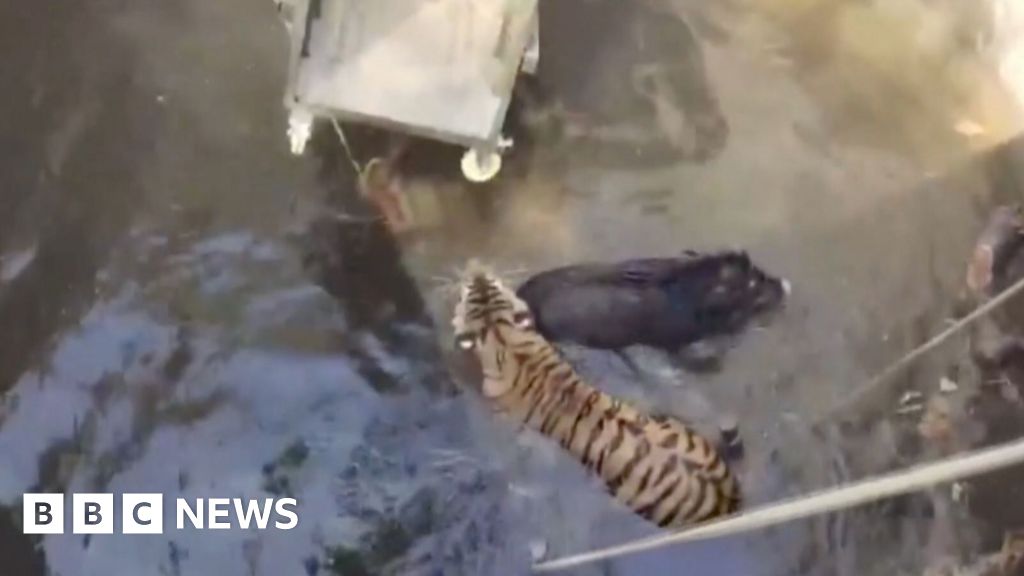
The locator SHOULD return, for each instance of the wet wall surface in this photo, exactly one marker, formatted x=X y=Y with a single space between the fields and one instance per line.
x=186 y=308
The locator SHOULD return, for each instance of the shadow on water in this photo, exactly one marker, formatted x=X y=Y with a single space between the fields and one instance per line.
x=644 y=99
x=19 y=551
x=67 y=163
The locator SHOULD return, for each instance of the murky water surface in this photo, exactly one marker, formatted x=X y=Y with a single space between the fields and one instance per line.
x=185 y=308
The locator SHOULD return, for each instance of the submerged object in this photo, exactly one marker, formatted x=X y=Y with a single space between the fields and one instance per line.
x=665 y=303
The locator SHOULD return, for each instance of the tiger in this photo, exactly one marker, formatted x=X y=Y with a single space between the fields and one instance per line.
x=655 y=465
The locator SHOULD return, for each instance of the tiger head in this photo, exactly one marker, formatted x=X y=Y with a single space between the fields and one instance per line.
x=489 y=321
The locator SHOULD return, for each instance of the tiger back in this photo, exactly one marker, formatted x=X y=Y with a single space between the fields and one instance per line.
x=658 y=467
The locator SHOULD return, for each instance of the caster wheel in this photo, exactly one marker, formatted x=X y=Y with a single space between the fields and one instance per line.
x=480 y=167
x=300 y=128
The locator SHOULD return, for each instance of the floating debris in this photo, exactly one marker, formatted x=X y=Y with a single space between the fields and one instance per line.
x=947 y=386
x=1007 y=562
x=936 y=424
x=911 y=402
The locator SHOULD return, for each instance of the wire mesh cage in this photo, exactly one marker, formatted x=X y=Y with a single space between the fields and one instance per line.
x=439 y=69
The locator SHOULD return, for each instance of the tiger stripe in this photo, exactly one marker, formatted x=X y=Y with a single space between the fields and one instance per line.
x=653 y=464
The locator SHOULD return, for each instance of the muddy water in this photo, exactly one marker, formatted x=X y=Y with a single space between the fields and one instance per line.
x=187 y=309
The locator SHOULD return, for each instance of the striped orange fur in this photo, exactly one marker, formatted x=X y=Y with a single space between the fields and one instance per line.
x=656 y=466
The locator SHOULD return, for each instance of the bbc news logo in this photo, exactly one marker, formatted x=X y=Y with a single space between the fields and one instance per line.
x=144 y=513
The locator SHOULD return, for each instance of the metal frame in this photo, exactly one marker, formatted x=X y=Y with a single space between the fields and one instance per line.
x=479 y=162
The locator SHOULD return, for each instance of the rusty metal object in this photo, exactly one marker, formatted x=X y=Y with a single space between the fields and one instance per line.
x=999 y=240
x=379 y=183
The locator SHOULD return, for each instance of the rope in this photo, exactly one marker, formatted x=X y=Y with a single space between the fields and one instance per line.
x=344 y=144
x=928 y=346
x=832 y=500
